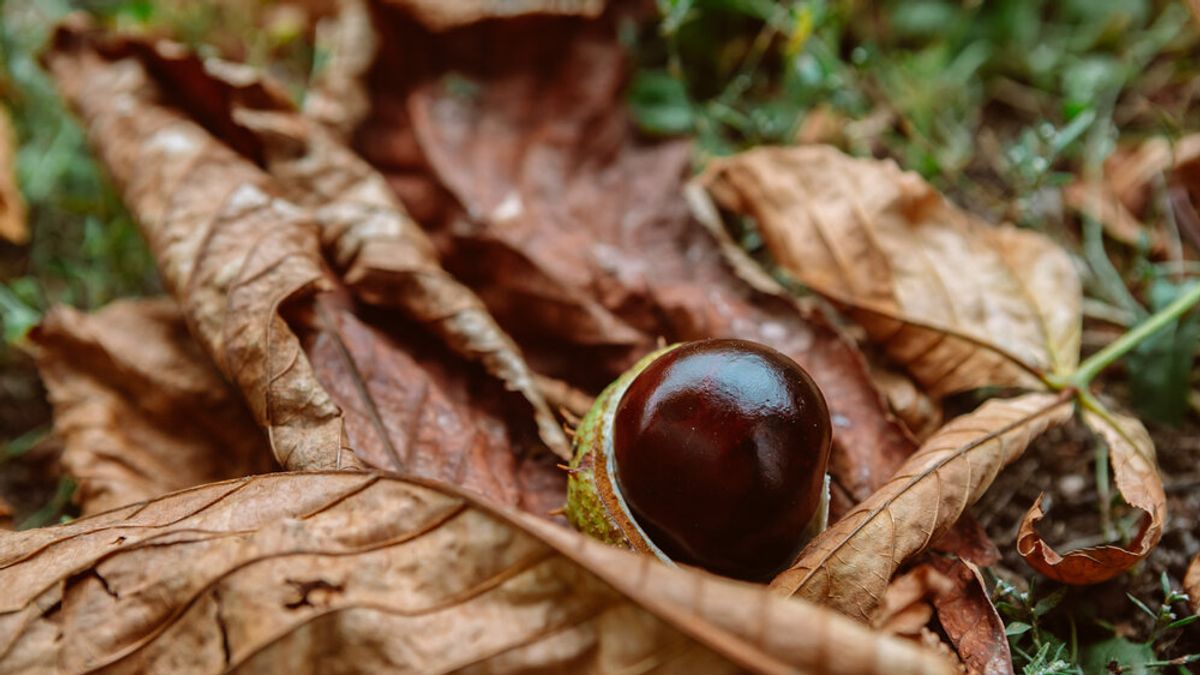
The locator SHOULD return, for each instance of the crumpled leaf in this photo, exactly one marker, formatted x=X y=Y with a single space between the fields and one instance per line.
x=1191 y=584
x=848 y=566
x=139 y=408
x=13 y=224
x=967 y=615
x=1135 y=472
x=380 y=253
x=342 y=571
x=904 y=608
x=246 y=266
x=593 y=254
x=955 y=590
x=232 y=253
x=440 y=15
x=406 y=412
x=960 y=303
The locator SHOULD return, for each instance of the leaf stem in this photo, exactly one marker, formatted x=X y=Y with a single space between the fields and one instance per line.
x=1102 y=359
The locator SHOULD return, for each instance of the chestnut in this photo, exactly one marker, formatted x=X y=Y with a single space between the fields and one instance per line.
x=709 y=453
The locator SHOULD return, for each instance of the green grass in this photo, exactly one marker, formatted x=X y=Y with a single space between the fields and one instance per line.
x=1044 y=637
x=85 y=249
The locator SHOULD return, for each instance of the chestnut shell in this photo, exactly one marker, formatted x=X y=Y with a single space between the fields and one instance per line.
x=720 y=450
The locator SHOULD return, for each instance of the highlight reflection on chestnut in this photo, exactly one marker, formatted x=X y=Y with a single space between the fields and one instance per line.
x=720 y=449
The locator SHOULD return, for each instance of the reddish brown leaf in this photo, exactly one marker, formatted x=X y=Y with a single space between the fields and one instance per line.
x=1131 y=453
x=139 y=408
x=969 y=618
x=593 y=256
x=848 y=567
x=349 y=571
x=405 y=411
x=960 y=303
x=964 y=610
x=968 y=540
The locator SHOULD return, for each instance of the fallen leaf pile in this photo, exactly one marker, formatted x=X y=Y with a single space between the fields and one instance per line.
x=402 y=291
x=325 y=571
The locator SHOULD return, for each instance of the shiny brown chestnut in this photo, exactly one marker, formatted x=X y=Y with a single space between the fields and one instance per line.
x=712 y=453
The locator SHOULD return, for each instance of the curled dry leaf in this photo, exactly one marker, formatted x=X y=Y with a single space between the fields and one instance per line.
x=956 y=591
x=246 y=265
x=593 y=254
x=379 y=252
x=958 y=302
x=228 y=248
x=1191 y=584
x=1135 y=471
x=968 y=617
x=13 y=224
x=849 y=565
x=139 y=408
x=353 y=572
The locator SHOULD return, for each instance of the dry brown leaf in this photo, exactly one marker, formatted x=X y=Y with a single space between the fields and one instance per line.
x=849 y=566
x=379 y=252
x=13 y=224
x=139 y=408
x=960 y=303
x=905 y=608
x=967 y=615
x=231 y=252
x=593 y=256
x=246 y=266
x=1135 y=471
x=955 y=590
x=440 y=15
x=920 y=413
x=1191 y=584
x=353 y=572
x=968 y=540
x=407 y=412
